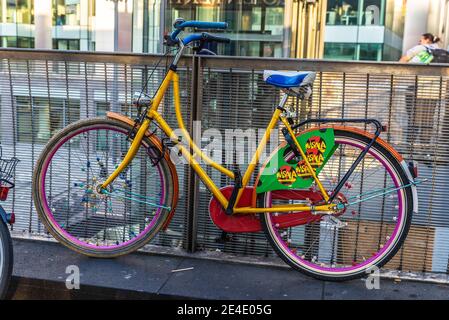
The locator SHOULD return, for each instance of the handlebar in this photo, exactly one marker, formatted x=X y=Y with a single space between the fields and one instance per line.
x=204 y=37
x=180 y=24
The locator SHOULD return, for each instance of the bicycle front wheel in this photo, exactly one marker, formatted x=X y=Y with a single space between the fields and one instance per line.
x=6 y=259
x=122 y=219
x=365 y=234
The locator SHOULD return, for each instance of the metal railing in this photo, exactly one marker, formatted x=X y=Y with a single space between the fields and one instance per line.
x=43 y=91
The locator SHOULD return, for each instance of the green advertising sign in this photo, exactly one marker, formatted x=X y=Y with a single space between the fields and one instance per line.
x=284 y=171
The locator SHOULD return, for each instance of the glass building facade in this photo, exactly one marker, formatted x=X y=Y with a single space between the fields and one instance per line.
x=256 y=27
x=71 y=23
x=17 y=19
x=354 y=29
x=364 y=29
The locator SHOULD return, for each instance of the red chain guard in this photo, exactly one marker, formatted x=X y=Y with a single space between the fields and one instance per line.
x=251 y=222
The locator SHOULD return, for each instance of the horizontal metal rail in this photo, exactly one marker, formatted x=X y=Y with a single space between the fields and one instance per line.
x=225 y=62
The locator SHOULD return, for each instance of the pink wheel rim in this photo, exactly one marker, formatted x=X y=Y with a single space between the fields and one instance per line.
x=67 y=235
x=378 y=254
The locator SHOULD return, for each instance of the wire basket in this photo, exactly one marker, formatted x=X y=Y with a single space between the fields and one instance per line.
x=7 y=169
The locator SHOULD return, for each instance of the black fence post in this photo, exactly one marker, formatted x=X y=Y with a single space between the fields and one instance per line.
x=193 y=180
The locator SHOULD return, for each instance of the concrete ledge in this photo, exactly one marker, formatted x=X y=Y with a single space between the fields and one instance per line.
x=40 y=268
x=429 y=277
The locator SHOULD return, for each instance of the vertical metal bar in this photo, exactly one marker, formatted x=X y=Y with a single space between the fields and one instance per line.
x=412 y=118
x=115 y=105
x=434 y=168
x=385 y=174
x=127 y=106
x=49 y=112
x=86 y=87
x=32 y=135
x=362 y=173
x=193 y=181
x=343 y=101
x=342 y=115
x=411 y=137
x=88 y=144
x=66 y=73
x=320 y=96
x=106 y=85
x=14 y=127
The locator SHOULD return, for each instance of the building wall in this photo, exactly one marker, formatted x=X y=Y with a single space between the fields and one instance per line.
x=43 y=24
x=47 y=24
x=438 y=20
x=364 y=29
x=416 y=19
x=257 y=27
x=104 y=26
x=277 y=28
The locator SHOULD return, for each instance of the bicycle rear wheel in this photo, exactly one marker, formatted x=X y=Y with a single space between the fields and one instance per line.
x=69 y=170
x=6 y=259
x=365 y=234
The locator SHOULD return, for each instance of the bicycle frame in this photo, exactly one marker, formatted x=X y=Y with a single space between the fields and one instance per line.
x=153 y=115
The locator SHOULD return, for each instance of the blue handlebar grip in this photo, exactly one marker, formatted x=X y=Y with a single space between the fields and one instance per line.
x=203 y=25
x=197 y=24
x=175 y=34
x=191 y=38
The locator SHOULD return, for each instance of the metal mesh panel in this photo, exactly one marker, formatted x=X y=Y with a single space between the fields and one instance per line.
x=39 y=97
x=239 y=104
x=412 y=105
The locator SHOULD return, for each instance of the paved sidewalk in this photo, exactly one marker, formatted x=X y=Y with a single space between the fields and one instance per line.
x=39 y=272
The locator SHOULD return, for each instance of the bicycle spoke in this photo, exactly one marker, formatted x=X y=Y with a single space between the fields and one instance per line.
x=110 y=219
x=349 y=238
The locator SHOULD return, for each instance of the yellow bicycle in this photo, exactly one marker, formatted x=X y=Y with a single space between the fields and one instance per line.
x=333 y=200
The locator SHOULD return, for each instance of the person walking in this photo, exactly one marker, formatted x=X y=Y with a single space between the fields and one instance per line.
x=420 y=53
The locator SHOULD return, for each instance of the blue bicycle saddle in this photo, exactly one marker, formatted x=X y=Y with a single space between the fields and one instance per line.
x=288 y=79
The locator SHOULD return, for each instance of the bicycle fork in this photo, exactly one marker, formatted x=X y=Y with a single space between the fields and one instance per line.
x=134 y=148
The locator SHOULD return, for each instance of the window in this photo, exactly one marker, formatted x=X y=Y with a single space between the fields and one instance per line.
x=342 y=12
x=340 y=51
x=370 y=52
x=373 y=12
x=355 y=12
x=25 y=42
x=16 y=42
x=66 y=12
x=391 y=54
x=20 y=11
x=39 y=118
x=395 y=17
x=66 y=44
x=353 y=51
x=274 y=21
